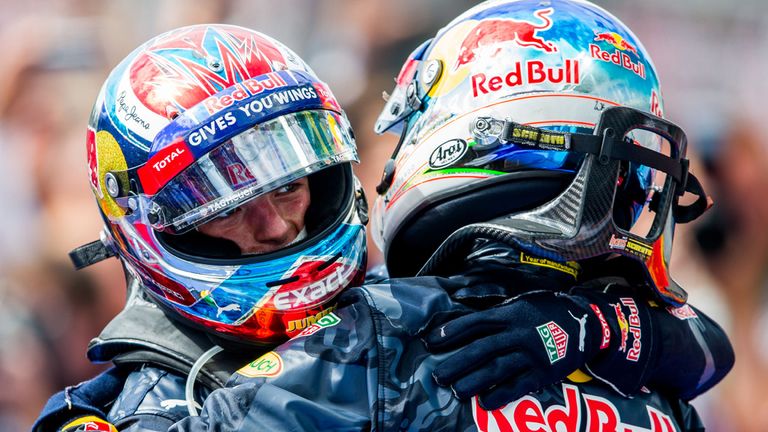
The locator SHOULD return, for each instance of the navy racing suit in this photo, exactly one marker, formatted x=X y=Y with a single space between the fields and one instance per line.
x=364 y=367
x=145 y=391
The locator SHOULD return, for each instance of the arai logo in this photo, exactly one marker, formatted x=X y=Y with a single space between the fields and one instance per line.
x=447 y=153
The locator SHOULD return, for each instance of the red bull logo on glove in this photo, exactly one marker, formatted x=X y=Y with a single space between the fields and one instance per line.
x=634 y=329
x=521 y=32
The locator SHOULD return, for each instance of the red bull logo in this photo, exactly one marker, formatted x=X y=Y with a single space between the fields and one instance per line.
x=634 y=329
x=623 y=327
x=93 y=161
x=616 y=40
x=578 y=412
x=525 y=73
x=170 y=70
x=656 y=104
x=495 y=31
x=619 y=56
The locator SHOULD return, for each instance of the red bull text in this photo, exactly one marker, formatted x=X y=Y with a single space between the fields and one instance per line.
x=595 y=414
x=523 y=73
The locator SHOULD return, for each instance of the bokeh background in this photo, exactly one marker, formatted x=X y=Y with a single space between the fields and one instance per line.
x=711 y=57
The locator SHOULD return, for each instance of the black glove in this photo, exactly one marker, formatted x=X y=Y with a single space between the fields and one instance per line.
x=529 y=341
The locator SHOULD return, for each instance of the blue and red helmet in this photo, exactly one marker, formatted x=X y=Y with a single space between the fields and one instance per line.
x=197 y=122
x=503 y=117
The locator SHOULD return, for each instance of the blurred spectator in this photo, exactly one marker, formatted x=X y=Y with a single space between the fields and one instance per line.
x=733 y=243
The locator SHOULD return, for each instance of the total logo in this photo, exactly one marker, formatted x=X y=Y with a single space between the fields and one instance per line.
x=598 y=414
x=164 y=165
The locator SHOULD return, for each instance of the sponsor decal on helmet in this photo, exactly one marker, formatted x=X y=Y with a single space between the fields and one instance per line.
x=528 y=414
x=656 y=104
x=89 y=423
x=164 y=165
x=616 y=40
x=529 y=72
x=270 y=365
x=683 y=312
x=210 y=129
x=93 y=162
x=631 y=246
x=570 y=267
x=303 y=323
x=189 y=64
x=327 y=280
x=532 y=136
x=207 y=298
x=129 y=112
x=447 y=153
x=326 y=321
x=225 y=202
x=619 y=55
x=555 y=340
x=495 y=31
x=248 y=88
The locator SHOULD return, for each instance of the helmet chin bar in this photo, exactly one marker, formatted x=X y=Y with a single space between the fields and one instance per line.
x=579 y=224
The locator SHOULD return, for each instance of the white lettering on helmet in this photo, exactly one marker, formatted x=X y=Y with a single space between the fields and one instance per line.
x=311 y=294
x=164 y=161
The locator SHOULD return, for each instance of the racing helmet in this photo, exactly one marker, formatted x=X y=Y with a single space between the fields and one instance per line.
x=539 y=124
x=190 y=127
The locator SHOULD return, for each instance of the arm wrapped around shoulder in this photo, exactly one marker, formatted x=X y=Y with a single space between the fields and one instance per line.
x=503 y=353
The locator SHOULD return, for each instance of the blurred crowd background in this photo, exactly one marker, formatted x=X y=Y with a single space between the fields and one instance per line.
x=712 y=61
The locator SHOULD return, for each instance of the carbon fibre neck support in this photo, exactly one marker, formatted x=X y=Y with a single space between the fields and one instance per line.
x=578 y=224
x=611 y=146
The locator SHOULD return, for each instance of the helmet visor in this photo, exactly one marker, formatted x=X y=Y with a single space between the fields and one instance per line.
x=265 y=157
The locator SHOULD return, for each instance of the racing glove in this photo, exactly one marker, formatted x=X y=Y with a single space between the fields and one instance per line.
x=682 y=352
x=527 y=342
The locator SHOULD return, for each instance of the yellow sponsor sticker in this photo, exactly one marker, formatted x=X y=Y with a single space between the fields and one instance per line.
x=640 y=249
x=578 y=376
x=570 y=267
x=89 y=423
x=270 y=365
